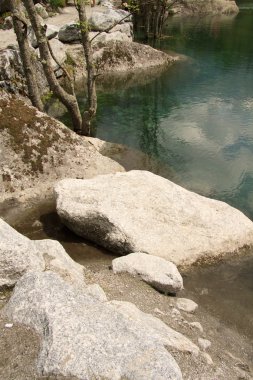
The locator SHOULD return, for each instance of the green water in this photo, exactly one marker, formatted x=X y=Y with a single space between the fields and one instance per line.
x=197 y=117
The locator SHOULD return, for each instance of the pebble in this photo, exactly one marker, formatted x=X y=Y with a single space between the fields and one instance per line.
x=197 y=325
x=158 y=311
x=37 y=224
x=207 y=358
x=9 y=325
x=204 y=343
x=186 y=305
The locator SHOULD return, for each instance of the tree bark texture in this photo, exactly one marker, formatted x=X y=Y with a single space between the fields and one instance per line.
x=67 y=99
x=91 y=77
x=20 y=25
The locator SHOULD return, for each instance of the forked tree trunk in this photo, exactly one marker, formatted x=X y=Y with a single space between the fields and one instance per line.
x=91 y=85
x=20 y=27
x=67 y=99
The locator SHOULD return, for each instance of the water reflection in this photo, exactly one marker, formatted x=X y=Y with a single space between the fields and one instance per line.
x=197 y=117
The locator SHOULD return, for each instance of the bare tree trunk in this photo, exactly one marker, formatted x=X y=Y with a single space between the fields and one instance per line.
x=91 y=77
x=20 y=27
x=69 y=100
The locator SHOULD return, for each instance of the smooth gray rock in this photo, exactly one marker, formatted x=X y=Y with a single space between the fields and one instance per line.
x=18 y=255
x=102 y=21
x=69 y=32
x=157 y=272
x=89 y=339
x=138 y=211
x=186 y=305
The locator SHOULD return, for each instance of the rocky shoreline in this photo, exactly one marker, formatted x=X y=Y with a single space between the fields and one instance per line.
x=63 y=302
x=113 y=49
x=125 y=317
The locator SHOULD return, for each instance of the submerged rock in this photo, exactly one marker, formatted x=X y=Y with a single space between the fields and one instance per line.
x=89 y=339
x=141 y=212
x=159 y=273
x=18 y=255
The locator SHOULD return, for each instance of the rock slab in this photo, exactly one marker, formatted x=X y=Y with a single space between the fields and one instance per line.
x=138 y=211
x=84 y=337
x=102 y=21
x=159 y=273
x=18 y=255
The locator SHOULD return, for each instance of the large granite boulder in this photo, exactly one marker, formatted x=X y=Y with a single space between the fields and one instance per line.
x=102 y=21
x=124 y=55
x=92 y=339
x=141 y=212
x=159 y=273
x=202 y=7
x=18 y=255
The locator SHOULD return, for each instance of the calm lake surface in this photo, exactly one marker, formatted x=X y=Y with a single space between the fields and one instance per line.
x=198 y=116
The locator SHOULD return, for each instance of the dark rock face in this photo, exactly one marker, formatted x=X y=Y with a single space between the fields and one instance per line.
x=4 y=6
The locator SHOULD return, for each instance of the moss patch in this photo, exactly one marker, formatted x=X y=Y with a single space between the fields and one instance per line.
x=31 y=133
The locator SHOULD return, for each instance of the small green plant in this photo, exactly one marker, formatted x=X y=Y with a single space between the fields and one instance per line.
x=46 y=97
x=57 y=3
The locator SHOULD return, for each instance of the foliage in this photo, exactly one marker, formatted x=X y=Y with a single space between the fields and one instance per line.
x=46 y=97
x=57 y=3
